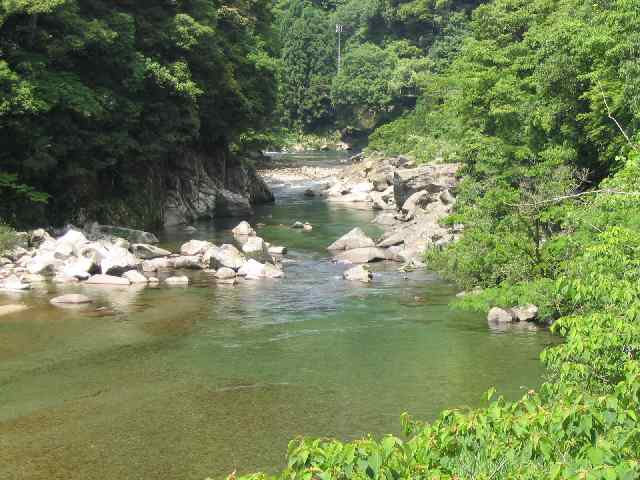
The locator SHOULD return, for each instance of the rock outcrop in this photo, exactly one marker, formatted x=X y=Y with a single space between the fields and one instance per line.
x=203 y=188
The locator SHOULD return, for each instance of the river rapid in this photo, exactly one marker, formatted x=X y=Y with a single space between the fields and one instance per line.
x=188 y=383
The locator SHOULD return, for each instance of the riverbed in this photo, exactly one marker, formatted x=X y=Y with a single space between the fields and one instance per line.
x=188 y=383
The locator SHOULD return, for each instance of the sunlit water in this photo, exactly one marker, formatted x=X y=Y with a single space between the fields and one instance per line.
x=185 y=383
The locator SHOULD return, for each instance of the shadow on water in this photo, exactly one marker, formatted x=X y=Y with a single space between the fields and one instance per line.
x=185 y=383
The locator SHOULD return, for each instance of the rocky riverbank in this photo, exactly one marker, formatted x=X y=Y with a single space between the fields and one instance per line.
x=112 y=256
x=411 y=200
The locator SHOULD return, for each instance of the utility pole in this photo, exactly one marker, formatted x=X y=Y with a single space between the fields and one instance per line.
x=339 y=27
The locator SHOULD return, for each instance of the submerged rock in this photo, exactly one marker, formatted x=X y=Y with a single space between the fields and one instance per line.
x=102 y=279
x=71 y=299
x=181 y=280
x=360 y=273
x=11 y=309
x=500 y=315
x=526 y=313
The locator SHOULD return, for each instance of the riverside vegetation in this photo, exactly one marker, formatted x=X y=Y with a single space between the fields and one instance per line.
x=537 y=100
x=537 y=105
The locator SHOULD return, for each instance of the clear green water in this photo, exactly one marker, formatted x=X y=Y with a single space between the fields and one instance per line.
x=175 y=383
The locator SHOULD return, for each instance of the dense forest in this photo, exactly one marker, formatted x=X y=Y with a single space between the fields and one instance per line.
x=539 y=100
x=101 y=101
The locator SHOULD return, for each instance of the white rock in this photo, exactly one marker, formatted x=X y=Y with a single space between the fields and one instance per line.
x=360 y=274
x=243 y=229
x=195 y=247
x=187 y=262
x=71 y=299
x=117 y=261
x=79 y=268
x=307 y=227
x=499 y=315
x=254 y=245
x=252 y=270
x=108 y=280
x=362 y=255
x=526 y=313
x=224 y=256
x=73 y=238
x=135 y=277
x=14 y=284
x=154 y=280
x=225 y=273
x=155 y=265
x=41 y=264
x=271 y=271
x=277 y=250
x=356 y=238
x=182 y=280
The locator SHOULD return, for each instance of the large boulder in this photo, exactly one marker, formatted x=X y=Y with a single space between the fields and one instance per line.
x=243 y=229
x=74 y=238
x=155 y=265
x=362 y=255
x=118 y=260
x=271 y=271
x=135 y=277
x=432 y=178
x=417 y=200
x=195 y=247
x=356 y=238
x=98 y=231
x=225 y=273
x=525 y=313
x=108 y=280
x=500 y=315
x=360 y=274
x=252 y=270
x=147 y=251
x=42 y=263
x=194 y=262
x=80 y=268
x=256 y=247
x=224 y=256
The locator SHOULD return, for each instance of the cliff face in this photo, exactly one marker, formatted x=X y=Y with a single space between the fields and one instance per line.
x=202 y=187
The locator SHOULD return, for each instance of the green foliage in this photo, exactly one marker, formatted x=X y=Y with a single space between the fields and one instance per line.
x=8 y=238
x=94 y=96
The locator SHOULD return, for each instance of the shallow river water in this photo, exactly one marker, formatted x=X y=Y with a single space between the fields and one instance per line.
x=185 y=383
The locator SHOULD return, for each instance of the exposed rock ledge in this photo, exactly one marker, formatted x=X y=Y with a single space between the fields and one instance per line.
x=412 y=201
x=201 y=189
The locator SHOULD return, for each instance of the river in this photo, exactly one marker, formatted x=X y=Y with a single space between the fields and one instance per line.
x=188 y=383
